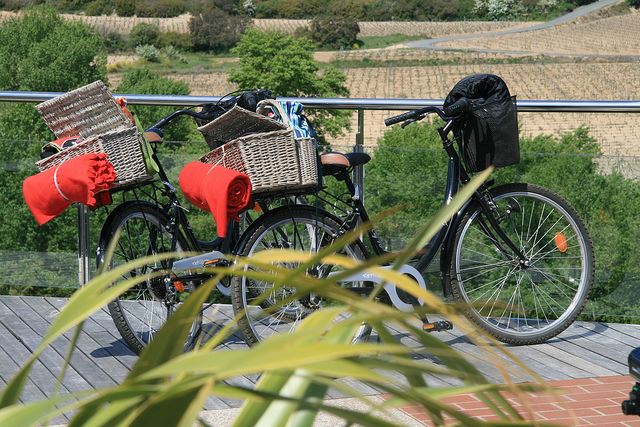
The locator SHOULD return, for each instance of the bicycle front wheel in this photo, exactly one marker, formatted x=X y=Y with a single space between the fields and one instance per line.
x=142 y=230
x=266 y=310
x=523 y=302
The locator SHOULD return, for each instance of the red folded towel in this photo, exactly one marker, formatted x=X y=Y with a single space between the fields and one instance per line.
x=221 y=191
x=78 y=179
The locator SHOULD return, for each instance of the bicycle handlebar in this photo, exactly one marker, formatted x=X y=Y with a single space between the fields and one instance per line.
x=460 y=106
x=175 y=114
x=414 y=114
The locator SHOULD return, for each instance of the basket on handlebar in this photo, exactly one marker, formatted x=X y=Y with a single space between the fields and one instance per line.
x=275 y=162
x=91 y=113
x=488 y=131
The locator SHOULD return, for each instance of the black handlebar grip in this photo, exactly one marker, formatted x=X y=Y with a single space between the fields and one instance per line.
x=400 y=118
x=461 y=105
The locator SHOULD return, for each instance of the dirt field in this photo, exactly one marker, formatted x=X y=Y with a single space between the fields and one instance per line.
x=616 y=35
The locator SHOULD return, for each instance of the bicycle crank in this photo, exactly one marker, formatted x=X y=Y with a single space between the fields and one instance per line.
x=400 y=299
x=199 y=262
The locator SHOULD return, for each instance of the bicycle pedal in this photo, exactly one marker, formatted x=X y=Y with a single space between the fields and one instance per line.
x=216 y=262
x=441 y=325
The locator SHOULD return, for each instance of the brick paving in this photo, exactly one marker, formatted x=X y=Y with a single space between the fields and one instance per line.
x=583 y=402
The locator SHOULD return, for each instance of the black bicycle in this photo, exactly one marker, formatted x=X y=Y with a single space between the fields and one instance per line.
x=151 y=220
x=517 y=255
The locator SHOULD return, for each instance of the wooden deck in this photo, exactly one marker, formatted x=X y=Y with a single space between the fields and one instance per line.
x=102 y=359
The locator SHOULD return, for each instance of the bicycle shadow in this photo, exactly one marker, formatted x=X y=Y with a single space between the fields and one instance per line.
x=233 y=340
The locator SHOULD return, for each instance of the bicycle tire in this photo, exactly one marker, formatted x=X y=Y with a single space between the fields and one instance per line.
x=138 y=313
x=254 y=321
x=553 y=238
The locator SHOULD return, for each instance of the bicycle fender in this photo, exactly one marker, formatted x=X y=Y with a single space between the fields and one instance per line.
x=258 y=222
x=108 y=224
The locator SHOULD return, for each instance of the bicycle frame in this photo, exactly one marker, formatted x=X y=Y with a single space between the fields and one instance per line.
x=443 y=240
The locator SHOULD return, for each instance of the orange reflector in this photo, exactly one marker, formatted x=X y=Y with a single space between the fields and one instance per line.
x=428 y=326
x=179 y=286
x=561 y=242
x=257 y=207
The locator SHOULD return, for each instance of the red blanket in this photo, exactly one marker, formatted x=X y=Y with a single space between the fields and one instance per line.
x=216 y=189
x=78 y=179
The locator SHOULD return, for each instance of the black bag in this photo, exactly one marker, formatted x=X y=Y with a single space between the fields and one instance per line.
x=488 y=131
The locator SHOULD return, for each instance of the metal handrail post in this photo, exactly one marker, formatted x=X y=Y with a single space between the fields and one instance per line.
x=358 y=171
x=83 y=245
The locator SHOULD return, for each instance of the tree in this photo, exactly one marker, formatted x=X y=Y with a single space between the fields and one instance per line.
x=144 y=34
x=216 y=29
x=334 y=31
x=285 y=65
x=40 y=52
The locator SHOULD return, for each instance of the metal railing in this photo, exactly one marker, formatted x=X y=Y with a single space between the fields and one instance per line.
x=356 y=104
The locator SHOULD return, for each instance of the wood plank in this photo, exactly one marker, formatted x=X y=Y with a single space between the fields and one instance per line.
x=87 y=345
x=8 y=369
x=104 y=332
x=86 y=367
x=609 y=330
x=602 y=343
x=49 y=357
x=574 y=366
x=591 y=350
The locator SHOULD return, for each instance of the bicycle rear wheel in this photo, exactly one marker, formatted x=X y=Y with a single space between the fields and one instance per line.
x=524 y=302
x=300 y=228
x=142 y=310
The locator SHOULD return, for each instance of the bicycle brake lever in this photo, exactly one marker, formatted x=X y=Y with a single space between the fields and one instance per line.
x=415 y=119
x=407 y=123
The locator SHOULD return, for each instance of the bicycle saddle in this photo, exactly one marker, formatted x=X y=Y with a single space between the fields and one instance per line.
x=335 y=162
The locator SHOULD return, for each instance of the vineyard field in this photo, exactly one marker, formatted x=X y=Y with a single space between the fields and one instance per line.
x=617 y=133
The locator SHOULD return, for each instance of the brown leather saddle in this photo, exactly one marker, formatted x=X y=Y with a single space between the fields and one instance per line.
x=334 y=163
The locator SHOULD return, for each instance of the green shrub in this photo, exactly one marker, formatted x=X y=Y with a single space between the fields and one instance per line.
x=144 y=34
x=159 y=8
x=178 y=40
x=148 y=52
x=334 y=32
x=216 y=30
x=634 y=3
x=125 y=7
x=99 y=7
x=15 y=5
x=267 y=9
x=114 y=42
x=173 y=54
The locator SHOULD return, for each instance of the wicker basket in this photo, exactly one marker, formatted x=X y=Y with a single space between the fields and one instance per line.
x=275 y=162
x=92 y=113
x=86 y=111
x=122 y=148
x=236 y=123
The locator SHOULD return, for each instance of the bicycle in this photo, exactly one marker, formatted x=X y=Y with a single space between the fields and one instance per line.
x=516 y=255
x=151 y=220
